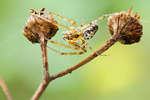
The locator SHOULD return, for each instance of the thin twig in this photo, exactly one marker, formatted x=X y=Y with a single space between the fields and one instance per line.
x=47 y=79
x=2 y=83
x=46 y=75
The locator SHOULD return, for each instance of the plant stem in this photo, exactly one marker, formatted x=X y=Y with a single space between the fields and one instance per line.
x=4 y=87
x=47 y=78
x=46 y=75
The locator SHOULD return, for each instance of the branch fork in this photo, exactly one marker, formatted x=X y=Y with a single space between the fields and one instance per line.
x=123 y=27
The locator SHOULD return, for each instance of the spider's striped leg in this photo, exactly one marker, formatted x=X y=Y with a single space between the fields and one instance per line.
x=84 y=43
x=64 y=45
x=81 y=23
x=71 y=21
x=93 y=50
x=96 y=20
x=73 y=44
x=76 y=45
x=75 y=53
x=72 y=30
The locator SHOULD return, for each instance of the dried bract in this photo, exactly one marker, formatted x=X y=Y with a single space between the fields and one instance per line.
x=127 y=25
x=35 y=26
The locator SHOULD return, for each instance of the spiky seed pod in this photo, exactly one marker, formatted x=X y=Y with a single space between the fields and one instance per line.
x=35 y=26
x=127 y=25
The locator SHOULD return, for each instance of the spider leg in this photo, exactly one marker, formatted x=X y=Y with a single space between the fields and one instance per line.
x=84 y=43
x=63 y=45
x=81 y=23
x=71 y=21
x=96 y=20
x=73 y=44
x=76 y=53
x=72 y=30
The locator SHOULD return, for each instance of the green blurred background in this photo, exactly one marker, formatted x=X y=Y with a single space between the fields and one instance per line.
x=123 y=75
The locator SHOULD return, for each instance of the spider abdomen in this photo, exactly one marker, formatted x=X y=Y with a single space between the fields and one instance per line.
x=90 y=31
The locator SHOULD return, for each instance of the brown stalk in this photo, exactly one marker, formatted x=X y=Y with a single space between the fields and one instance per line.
x=46 y=75
x=48 y=79
x=4 y=87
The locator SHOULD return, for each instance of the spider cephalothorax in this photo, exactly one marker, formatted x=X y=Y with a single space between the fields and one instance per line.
x=71 y=37
x=86 y=33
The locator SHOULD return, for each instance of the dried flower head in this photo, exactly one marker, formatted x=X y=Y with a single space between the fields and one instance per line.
x=35 y=26
x=127 y=25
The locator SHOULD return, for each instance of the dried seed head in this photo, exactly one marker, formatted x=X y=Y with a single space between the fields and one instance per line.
x=127 y=25
x=35 y=26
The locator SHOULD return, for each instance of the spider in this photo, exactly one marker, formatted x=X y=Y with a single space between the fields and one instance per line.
x=73 y=35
